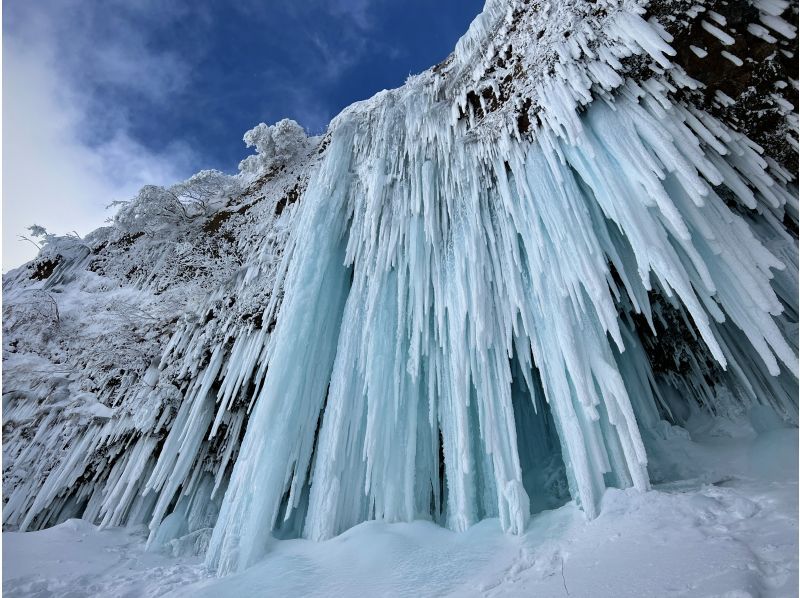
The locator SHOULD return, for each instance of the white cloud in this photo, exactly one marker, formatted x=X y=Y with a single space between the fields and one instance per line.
x=360 y=11
x=51 y=176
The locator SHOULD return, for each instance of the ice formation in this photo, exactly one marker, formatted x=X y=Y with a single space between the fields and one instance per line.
x=466 y=312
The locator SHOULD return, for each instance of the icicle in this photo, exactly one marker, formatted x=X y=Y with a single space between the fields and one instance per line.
x=460 y=309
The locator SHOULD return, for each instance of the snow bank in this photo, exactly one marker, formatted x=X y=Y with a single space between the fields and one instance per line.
x=734 y=533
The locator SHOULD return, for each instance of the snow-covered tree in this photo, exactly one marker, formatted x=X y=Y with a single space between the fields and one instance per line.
x=153 y=208
x=156 y=207
x=53 y=248
x=275 y=145
x=205 y=189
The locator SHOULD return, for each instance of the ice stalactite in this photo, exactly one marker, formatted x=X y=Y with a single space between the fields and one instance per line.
x=500 y=286
x=473 y=260
x=170 y=396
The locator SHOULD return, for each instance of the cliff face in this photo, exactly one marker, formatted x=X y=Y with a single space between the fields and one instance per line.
x=501 y=285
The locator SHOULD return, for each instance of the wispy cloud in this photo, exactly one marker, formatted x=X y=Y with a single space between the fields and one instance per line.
x=338 y=32
x=361 y=12
x=98 y=93
x=333 y=60
x=307 y=107
x=67 y=155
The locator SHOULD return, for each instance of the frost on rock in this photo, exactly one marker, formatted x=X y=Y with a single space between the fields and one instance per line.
x=137 y=317
x=490 y=290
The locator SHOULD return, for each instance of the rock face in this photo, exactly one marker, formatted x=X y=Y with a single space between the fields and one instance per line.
x=499 y=286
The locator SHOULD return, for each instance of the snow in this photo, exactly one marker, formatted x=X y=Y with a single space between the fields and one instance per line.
x=732 y=57
x=760 y=32
x=770 y=16
x=482 y=303
x=74 y=558
x=778 y=24
x=718 y=33
x=88 y=362
x=423 y=269
x=727 y=528
x=275 y=145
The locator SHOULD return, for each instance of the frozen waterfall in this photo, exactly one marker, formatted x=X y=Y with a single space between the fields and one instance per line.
x=427 y=269
x=497 y=288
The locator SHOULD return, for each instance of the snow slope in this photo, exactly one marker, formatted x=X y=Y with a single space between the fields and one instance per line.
x=729 y=528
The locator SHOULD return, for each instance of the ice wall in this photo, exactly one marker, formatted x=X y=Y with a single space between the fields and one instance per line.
x=502 y=284
x=428 y=263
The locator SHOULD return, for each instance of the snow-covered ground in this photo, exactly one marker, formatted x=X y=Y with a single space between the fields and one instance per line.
x=729 y=528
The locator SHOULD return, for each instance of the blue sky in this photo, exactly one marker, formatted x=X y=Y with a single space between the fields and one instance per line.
x=101 y=97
